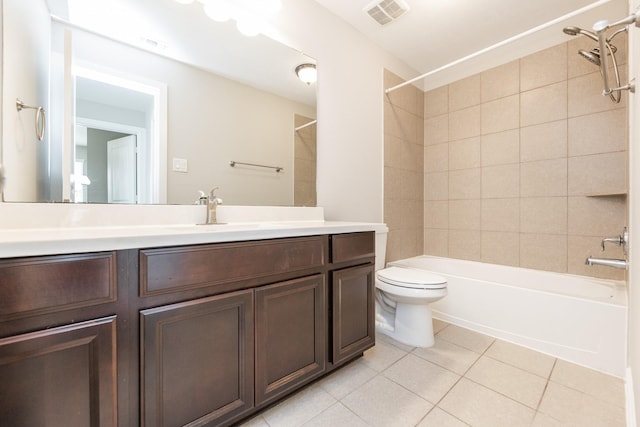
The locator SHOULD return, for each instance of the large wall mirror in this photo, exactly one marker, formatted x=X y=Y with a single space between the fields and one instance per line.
x=150 y=101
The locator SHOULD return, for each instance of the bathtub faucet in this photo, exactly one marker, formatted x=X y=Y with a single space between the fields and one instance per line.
x=615 y=263
x=621 y=240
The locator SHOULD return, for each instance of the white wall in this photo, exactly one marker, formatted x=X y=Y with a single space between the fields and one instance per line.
x=28 y=79
x=634 y=214
x=350 y=113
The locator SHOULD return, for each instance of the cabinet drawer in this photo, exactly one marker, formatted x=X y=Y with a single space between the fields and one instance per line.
x=352 y=246
x=182 y=268
x=34 y=286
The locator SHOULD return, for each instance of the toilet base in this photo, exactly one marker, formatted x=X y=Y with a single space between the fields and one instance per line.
x=413 y=325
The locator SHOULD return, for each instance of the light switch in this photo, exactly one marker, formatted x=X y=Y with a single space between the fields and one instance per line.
x=179 y=165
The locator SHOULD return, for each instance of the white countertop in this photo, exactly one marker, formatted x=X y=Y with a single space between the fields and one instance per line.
x=49 y=241
x=63 y=233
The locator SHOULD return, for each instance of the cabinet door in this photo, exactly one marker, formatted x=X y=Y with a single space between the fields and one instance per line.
x=353 y=311
x=290 y=335
x=63 y=376
x=197 y=361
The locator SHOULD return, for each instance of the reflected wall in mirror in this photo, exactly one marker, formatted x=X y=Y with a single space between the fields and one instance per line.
x=201 y=118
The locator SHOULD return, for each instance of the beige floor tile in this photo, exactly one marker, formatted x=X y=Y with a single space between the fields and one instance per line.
x=382 y=356
x=513 y=382
x=439 y=418
x=478 y=406
x=427 y=380
x=573 y=407
x=601 y=386
x=336 y=416
x=466 y=338
x=346 y=379
x=299 y=408
x=521 y=357
x=381 y=402
x=448 y=355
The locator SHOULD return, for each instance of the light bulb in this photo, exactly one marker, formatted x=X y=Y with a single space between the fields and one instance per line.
x=218 y=10
x=249 y=24
x=264 y=8
x=184 y=1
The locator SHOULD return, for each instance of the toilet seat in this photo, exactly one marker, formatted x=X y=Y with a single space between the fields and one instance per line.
x=411 y=278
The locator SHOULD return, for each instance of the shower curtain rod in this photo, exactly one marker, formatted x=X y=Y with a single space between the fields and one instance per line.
x=312 y=122
x=502 y=43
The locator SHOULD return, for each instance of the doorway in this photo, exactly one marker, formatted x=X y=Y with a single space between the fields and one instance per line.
x=118 y=145
x=105 y=166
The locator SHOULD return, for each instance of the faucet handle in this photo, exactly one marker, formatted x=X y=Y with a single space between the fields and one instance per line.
x=621 y=240
x=202 y=198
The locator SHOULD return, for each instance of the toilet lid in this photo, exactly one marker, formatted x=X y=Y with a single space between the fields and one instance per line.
x=411 y=278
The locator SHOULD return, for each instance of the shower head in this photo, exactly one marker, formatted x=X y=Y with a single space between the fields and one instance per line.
x=592 y=56
x=574 y=31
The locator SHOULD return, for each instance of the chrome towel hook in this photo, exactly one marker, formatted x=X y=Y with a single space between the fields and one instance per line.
x=40 y=117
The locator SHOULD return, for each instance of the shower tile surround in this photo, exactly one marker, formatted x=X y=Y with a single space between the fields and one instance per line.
x=304 y=165
x=404 y=164
x=524 y=164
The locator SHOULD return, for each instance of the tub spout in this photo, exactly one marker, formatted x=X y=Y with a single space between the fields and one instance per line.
x=615 y=263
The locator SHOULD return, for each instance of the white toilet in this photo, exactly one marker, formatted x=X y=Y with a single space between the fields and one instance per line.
x=403 y=296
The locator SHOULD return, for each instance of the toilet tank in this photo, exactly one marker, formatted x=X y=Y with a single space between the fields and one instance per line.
x=381 y=247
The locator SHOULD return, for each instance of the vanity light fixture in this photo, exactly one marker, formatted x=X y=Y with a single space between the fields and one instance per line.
x=307 y=73
x=251 y=16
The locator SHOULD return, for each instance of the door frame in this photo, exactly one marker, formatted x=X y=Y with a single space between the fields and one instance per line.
x=152 y=144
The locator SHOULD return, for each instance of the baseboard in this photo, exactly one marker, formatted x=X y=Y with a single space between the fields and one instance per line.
x=630 y=402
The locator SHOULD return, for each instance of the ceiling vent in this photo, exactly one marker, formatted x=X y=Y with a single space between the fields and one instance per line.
x=386 y=11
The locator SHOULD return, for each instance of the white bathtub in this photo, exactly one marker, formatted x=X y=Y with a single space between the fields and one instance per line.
x=575 y=318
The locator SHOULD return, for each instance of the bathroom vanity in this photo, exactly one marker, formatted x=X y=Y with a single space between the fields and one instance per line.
x=203 y=333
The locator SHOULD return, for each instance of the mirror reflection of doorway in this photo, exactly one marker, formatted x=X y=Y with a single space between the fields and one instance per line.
x=122 y=170
x=116 y=143
x=105 y=166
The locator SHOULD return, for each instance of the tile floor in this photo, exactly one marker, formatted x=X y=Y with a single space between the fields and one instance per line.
x=465 y=379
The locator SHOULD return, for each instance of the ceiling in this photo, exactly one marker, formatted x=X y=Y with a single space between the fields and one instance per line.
x=434 y=33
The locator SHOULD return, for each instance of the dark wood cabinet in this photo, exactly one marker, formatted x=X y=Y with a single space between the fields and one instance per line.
x=290 y=335
x=353 y=312
x=60 y=377
x=197 y=360
x=199 y=335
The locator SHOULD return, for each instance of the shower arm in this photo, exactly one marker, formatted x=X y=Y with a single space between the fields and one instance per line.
x=600 y=28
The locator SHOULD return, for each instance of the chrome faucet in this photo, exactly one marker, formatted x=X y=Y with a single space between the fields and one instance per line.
x=615 y=263
x=621 y=240
x=212 y=203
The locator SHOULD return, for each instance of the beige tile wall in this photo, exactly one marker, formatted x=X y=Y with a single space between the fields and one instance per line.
x=525 y=164
x=403 y=169
x=304 y=165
